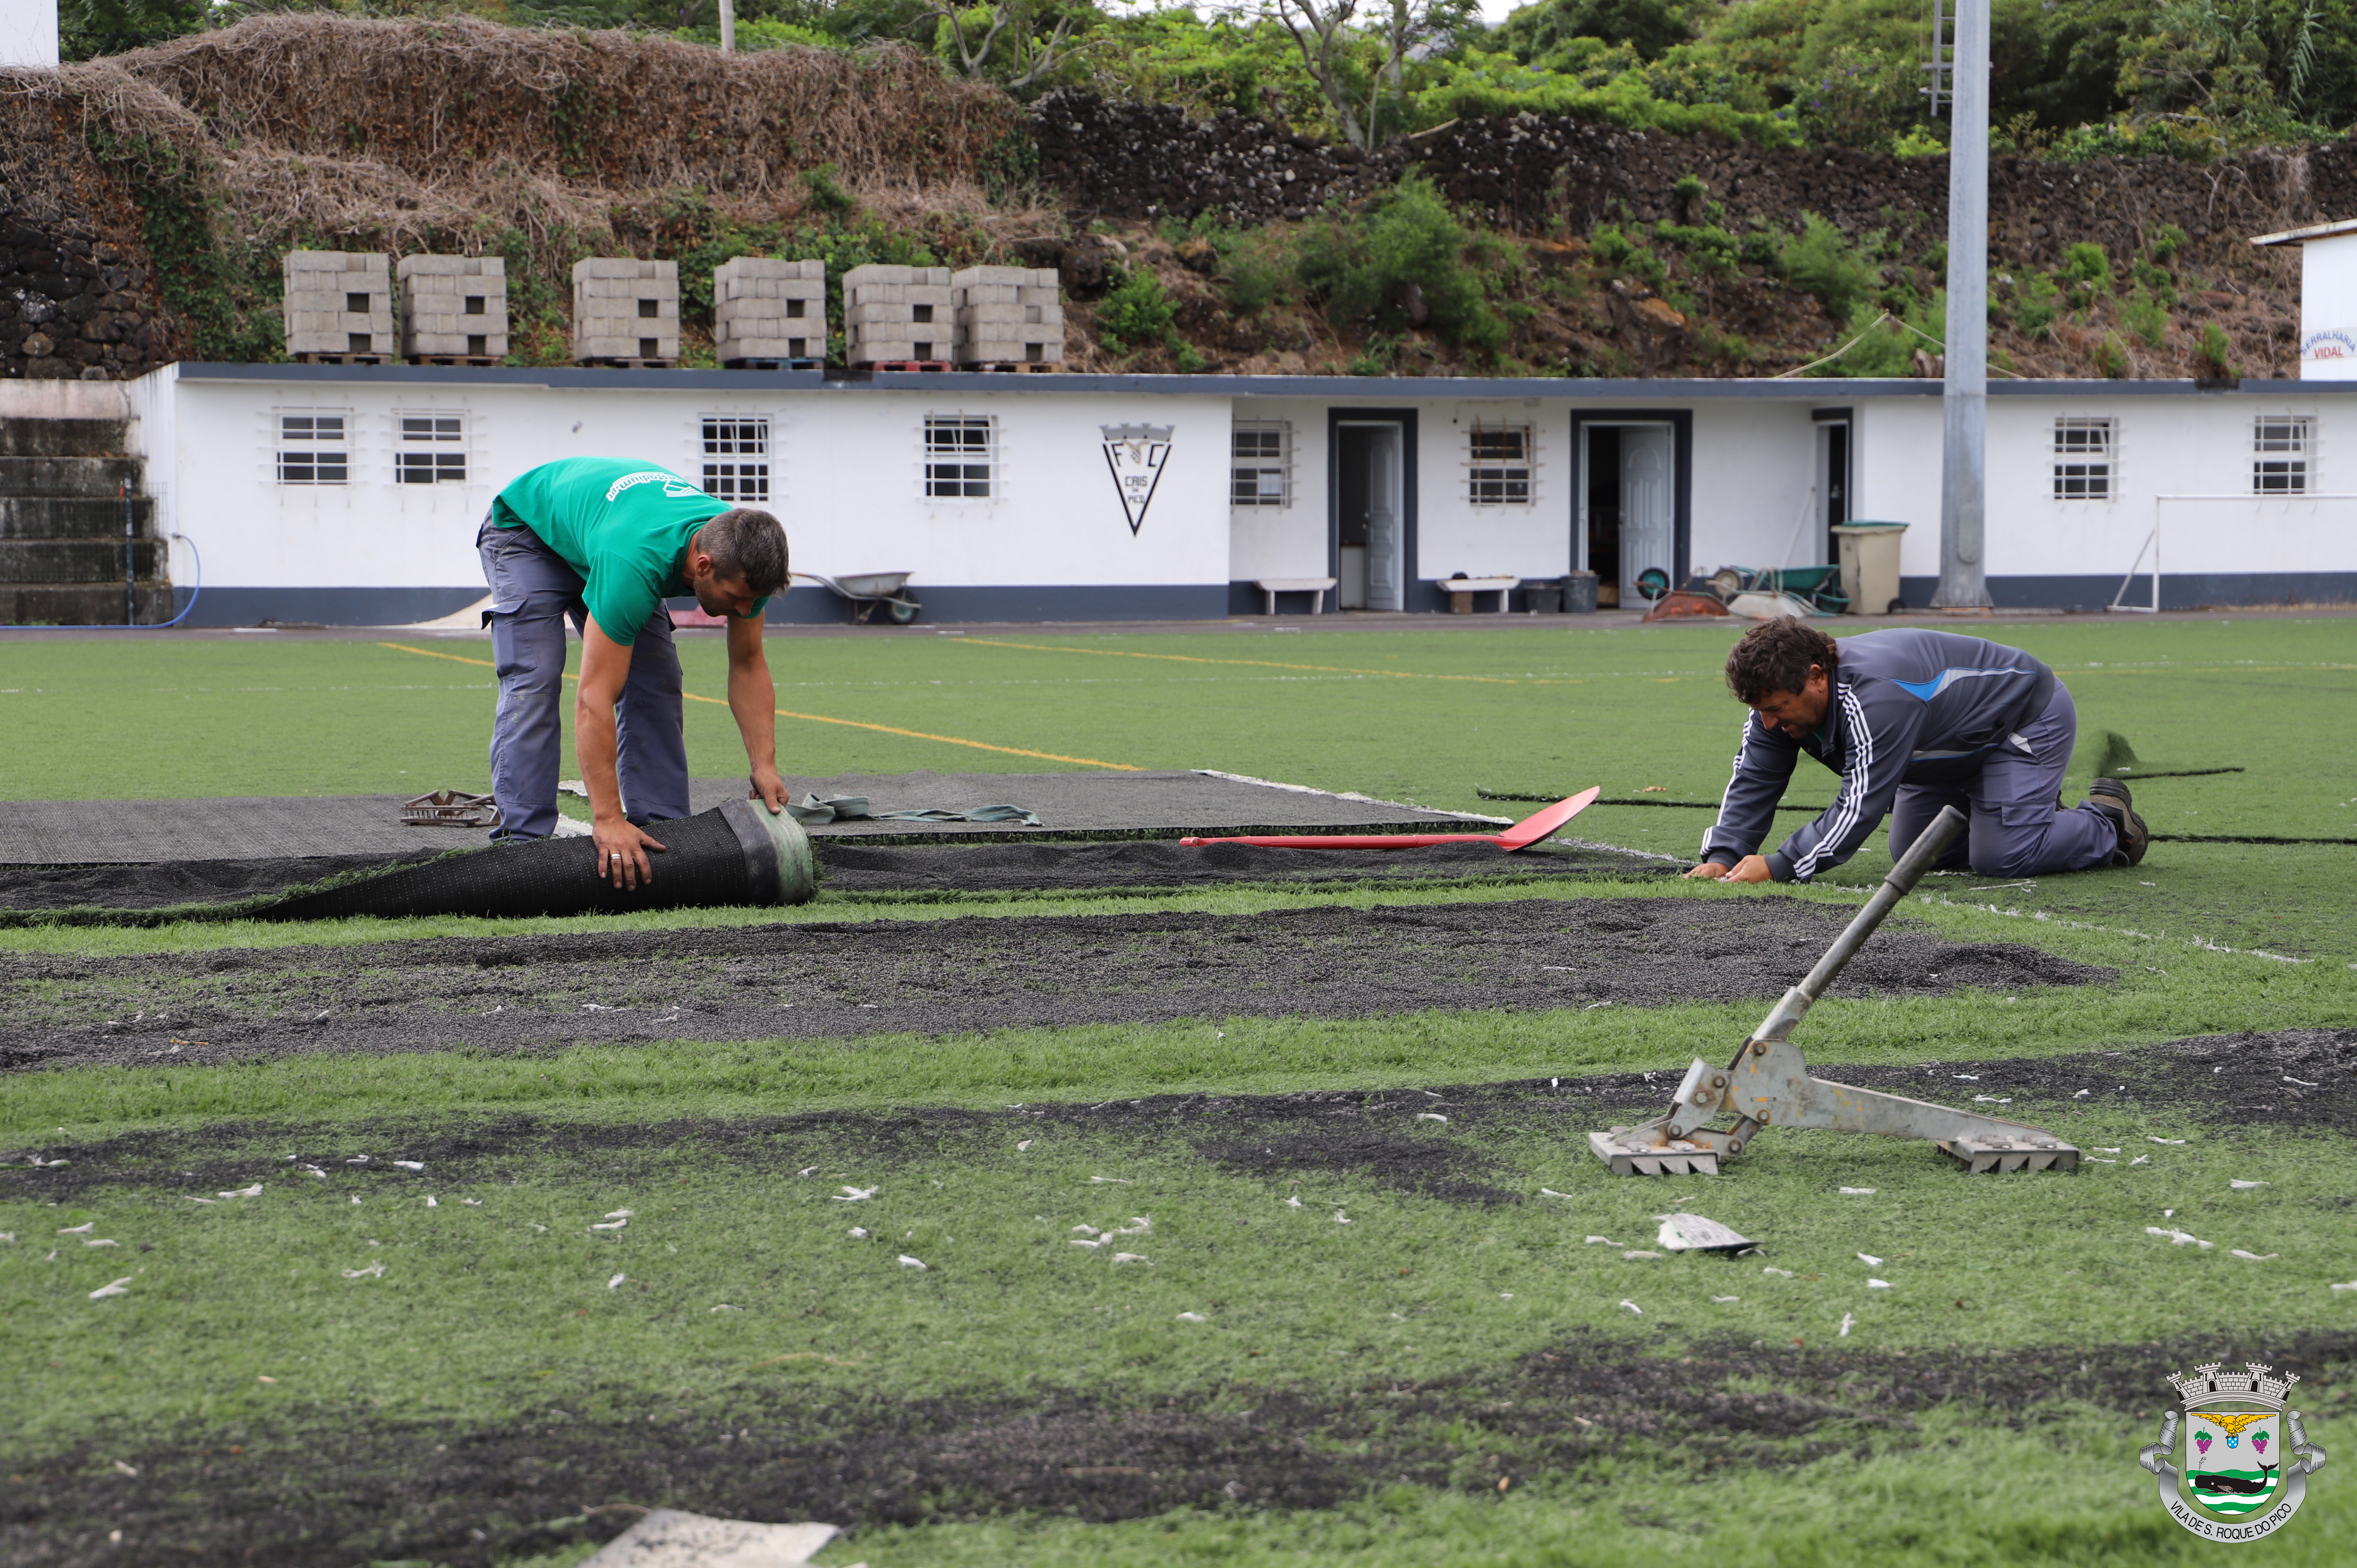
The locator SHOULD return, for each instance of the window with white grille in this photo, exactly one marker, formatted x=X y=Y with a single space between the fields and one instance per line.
x=2086 y=458
x=960 y=455
x=2281 y=447
x=736 y=458
x=313 y=448
x=1499 y=472
x=1263 y=472
x=429 y=449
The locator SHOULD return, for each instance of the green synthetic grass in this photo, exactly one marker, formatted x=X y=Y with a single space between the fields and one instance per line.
x=475 y=1314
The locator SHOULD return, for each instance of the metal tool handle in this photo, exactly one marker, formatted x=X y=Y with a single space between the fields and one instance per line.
x=1921 y=856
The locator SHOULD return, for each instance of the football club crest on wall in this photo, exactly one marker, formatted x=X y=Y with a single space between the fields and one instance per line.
x=2241 y=1470
x=1135 y=454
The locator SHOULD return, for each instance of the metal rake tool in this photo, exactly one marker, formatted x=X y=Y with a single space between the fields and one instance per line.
x=1768 y=1083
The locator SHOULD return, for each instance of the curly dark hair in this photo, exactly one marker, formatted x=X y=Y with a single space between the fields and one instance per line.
x=1775 y=656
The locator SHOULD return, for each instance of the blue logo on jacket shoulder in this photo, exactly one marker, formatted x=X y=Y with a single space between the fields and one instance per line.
x=1924 y=690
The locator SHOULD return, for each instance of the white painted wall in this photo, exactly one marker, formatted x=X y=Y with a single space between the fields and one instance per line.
x=1895 y=475
x=1455 y=535
x=1287 y=541
x=1755 y=475
x=847 y=471
x=2198 y=446
x=29 y=32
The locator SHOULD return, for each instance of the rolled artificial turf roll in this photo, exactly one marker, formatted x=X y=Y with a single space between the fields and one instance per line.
x=736 y=854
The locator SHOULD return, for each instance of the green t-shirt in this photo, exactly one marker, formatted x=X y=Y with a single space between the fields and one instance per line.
x=622 y=524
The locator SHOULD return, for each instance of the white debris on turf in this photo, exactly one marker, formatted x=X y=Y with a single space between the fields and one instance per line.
x=908 y=1263
x=1848 y=1323
x=1635 y=1253
x=1023 y=1145
x=126 y=1469
x=2081 y=1094
x=1602 y=1241
x=1726 y=1298
x=1340 y=1217
x=723 y=1306
x=855 y=1194
x=2253 y=1257
x=1293 y=1203
x=374 y=1270
x=79 y=1229
x=1132 y=1258
x=1991 y=1100
x=2239 y=1185
x=1431 y=1116
x=1550 y=1192
x=472 y=1202
x=355 y=1204
x=1771 y=1269
x=433 y=1202
x=616 y=1283
x=667 y=1538
x=1113 y=1180
x=314 y=1170
x=859 y=1233
x=1857 y=1191
x=120 y=1288
x=2150 y=1139
x=1869 y=1260
x=96 y=1242
x=1192 y=1317
x=254 y=1191
x=2350 y=1285
x=2178 y=1238
x=2101 y=1150
x=2301 y=1081
x=1632 y=1306
x=1694 y=1233
x=1091 y=1246
x=1878 y=1285
x=411 y=1164
x=807 y=1171
x=2141 y=1160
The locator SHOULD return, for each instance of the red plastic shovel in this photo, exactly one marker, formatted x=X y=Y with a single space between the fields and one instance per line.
x=1522 y=836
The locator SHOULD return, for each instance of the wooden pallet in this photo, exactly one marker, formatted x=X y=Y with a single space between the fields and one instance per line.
x=1014 y=367
x=628 y=364
x=342 y=359
x=773 y=364
x=477 y=360
x=929 y=366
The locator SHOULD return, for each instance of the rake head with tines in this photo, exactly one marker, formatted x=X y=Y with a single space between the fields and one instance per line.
x=1768 y=1083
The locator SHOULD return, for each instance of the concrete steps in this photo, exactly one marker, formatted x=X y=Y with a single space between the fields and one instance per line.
x=63 y=470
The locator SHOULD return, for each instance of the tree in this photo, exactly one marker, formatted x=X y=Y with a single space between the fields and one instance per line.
x=1026 y=55
x=1336 y=47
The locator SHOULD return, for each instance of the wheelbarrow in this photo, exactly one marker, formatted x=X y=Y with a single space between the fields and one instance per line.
x=865 y=590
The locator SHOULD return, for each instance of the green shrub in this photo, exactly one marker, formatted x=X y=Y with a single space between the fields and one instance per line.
x=1376 y=359
x=1259 y=272
x=1918 y=141
x=1690 y=188
x=2040 y=300
x=1138 y=310
x=2145 y=316
x=2085 y=264
x=1710 y=249
x=828 y=194
x=1885 y=348
x=1821 y=261
x=2166 y=241
x=2111 y=356
x=2215 y=360
x=1407 y=237
x=1610 y=246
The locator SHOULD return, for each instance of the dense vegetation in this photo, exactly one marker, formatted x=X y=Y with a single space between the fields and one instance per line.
x=2071 y=78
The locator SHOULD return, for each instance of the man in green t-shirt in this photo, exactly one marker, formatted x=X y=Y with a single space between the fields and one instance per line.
x=604 y=542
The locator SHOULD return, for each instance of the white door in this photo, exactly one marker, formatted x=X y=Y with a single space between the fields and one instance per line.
x=1384 y=551
x=1646 y=539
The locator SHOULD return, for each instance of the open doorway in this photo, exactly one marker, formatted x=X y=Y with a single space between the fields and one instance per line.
x=1627 y=528
x=1369 y=516
x=1833 y=476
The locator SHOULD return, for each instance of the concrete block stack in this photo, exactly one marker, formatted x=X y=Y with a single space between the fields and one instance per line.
x=454 y=309
x=898 y=316
x=339 y=307
x=1008 y=315
x=626 y=311
x=766 y=311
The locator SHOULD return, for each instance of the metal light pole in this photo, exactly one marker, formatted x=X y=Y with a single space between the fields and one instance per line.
x=728 y=27
x=1964 y=576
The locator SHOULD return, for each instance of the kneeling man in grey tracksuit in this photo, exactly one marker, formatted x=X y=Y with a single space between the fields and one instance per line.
x=1913 y=721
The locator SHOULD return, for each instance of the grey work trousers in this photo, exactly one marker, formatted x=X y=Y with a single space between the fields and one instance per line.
x=2018 y=826
x=533 y=593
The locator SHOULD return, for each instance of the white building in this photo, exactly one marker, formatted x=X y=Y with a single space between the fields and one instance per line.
x=352 y=494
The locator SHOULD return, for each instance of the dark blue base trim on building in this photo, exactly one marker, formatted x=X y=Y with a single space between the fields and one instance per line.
x=327 y=607
x=810 y=605
x=2191 y=591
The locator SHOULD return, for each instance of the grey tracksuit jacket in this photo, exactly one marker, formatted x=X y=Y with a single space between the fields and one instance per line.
x=1908 y=706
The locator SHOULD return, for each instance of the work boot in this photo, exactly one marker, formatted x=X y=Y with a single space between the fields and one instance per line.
x=2111 y=797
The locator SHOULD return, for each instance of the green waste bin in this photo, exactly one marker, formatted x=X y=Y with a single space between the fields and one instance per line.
x=1870 y=565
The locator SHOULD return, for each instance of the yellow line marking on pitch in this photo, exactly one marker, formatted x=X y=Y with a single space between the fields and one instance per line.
x=822 y=719
x=1265 y=663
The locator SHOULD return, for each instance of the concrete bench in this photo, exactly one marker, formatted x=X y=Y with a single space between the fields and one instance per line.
x=1460 y=591
x=1314 y=586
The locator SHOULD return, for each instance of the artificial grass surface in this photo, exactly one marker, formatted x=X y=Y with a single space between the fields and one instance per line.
x=474 y=1303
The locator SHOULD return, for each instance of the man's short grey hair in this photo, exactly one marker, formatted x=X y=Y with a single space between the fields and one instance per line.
x=746 y=543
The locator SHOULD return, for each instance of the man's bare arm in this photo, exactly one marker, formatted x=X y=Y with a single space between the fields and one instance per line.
x=604 y=670
x=753 y=698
